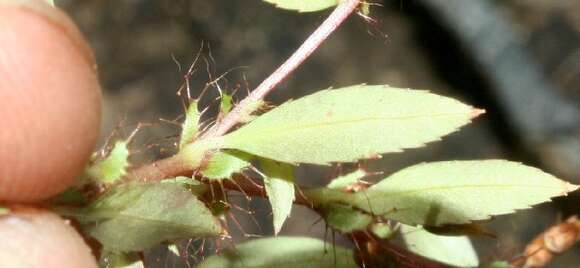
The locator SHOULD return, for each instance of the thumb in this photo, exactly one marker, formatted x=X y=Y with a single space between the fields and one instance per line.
x=49 y=101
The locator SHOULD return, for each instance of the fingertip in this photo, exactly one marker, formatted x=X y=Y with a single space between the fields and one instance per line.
x=34 y=238
x=49 y=101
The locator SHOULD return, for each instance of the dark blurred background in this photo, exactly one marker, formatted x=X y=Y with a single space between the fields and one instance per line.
x=518 y=59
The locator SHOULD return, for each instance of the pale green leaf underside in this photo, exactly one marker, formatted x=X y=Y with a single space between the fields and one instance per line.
x=304 y=5
x=282 y=252
x=113 y=167
x=190 y=127
x=135 y=217
x=346 y=180
x=452 y=192
x=222 y=165
x=344 y=125
x=462 y=191
x=279 y=185
x=454 y=250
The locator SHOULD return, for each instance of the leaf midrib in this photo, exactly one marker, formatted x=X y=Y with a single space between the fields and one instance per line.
x=466 y=186
x=297 y=127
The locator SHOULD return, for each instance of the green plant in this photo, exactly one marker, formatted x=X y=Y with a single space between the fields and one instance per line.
x=129 y=210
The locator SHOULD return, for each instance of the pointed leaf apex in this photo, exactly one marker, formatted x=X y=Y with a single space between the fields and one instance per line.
x=571 y=188
x=477 y=112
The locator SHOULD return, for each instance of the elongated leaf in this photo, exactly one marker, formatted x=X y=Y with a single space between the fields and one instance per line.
x=137 y=216
x=344 y=181
x=190 y=126
x=113 y=167
x=222 y=165
x=348 y=124
x=304 y=5
x=460 y=191
x=283 y=252
x=455 y=192
x=279 y=183
x=454 y=250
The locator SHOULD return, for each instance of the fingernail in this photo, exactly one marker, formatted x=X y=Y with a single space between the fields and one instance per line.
x=53 y=16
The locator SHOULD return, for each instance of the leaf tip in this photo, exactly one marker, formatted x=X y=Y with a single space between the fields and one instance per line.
x=477 y=112
x=571 y=188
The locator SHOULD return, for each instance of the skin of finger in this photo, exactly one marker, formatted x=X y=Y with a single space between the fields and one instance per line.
x=50 y=101
x=34 y=238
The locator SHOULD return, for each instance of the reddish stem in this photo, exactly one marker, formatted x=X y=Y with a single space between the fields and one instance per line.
x=174 y=166
x=243 y=109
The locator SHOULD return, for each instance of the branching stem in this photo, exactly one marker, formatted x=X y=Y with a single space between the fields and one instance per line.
x=243 y=109
x=173 y=166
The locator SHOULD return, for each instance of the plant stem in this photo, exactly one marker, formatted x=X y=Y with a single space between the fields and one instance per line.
x=161 y=169
x=174 y=166
x=246 y=106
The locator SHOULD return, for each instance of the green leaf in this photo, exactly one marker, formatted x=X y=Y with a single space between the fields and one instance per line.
x=226 y=103
x=453 y=250
x=344 y=181
x=283 y=252
x=222 y=165
x=454 y=192
x=113 y=167
x=345 y=218
x=279 y=184
x=345 y=125
x=190 y=126
x=135 y=217
x=50 y=2
x=120 y=260
x=460 y=191
x=304 y=5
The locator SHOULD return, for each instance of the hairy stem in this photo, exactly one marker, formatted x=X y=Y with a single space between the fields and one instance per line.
x=174 y=166
x=161 y=169
x=247 y=105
